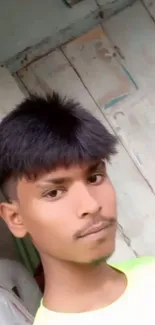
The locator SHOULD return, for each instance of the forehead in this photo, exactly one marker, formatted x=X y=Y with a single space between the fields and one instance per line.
x=27 y=189
x=72 y=171
x=61 y=173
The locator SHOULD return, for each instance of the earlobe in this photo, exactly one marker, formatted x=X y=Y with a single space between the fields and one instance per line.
x=9 y=212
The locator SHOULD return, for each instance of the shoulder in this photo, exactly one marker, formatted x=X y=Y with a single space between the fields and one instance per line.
x=145 y=263
x=140 y=273
x=43 y=316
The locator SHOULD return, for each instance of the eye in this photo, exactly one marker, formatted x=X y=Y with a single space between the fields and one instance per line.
x=96 y=179
x=55 y=194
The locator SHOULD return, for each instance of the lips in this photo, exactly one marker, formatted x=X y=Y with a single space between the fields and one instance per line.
x=95 y=228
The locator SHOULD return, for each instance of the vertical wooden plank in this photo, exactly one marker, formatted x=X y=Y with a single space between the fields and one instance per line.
x=27 y=76
x=53 y=72
x=94 y=58
x=136 y=202
x=132 y=31
x=134 y=122
x=133 y=118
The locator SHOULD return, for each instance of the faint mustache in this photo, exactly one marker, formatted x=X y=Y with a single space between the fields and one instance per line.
x=104 y=222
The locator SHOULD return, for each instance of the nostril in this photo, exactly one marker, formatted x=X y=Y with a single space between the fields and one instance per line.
x=84 y=215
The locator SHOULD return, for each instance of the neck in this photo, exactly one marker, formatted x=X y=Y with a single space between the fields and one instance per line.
x=64 y=274
x=67 y=283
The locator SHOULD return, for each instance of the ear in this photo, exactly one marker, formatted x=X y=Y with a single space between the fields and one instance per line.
x=11 y=215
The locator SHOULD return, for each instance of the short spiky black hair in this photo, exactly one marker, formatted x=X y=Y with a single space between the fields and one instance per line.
x=44 y=133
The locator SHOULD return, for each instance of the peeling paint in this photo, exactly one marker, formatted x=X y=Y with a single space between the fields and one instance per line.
x=115 y=101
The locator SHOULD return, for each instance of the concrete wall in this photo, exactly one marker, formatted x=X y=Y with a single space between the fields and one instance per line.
x=24 y=24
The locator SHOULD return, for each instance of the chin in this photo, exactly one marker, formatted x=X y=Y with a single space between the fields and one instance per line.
x=98 y=259
x=103 y=255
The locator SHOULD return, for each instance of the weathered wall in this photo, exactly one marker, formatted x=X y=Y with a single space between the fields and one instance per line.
x=26 y=23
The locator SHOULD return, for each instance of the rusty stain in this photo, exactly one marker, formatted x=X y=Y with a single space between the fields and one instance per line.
x=96 y=33
x=21 y=71
x=123 y=88
x=104 y=55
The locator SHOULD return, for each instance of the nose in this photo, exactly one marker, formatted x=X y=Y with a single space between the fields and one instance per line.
x=87 y=205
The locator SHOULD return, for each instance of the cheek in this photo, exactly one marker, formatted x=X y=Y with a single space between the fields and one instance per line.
x=106 y=197
x=45 y=218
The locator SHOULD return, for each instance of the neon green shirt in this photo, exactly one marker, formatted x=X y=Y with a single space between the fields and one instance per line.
x=136 y=306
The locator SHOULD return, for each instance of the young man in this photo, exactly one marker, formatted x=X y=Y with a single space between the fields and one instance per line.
x=53 y=157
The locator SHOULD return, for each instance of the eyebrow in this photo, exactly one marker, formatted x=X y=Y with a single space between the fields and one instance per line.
x=96 y=166
x=63 y=180
x=55 y=181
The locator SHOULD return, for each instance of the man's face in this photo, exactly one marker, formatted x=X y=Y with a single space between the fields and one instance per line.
x=70 y=213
